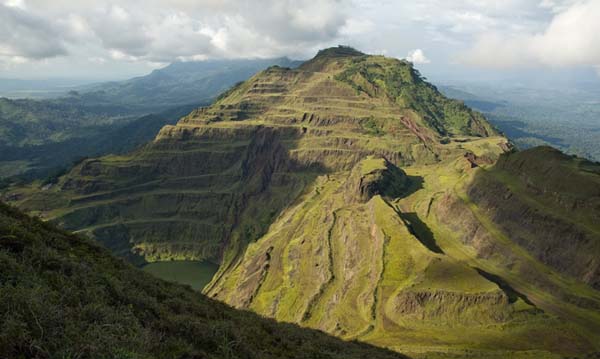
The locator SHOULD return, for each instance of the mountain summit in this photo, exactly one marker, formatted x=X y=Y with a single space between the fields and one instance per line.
x=344 y=195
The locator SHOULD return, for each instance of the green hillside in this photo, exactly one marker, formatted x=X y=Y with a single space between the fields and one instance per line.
x=348 y=195
x=62 y=296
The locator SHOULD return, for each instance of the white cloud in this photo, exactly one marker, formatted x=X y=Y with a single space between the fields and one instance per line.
x=417 y=57
x=24 y=35
x=140 y=33
x=557 y=5
x=162 y=31
x=16 y=3
x=97 y=60
x=570 y=39
x=356 y=26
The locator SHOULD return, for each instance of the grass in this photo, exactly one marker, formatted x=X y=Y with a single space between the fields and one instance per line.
x=449 y=240
x=374 y=261
x=371 y=164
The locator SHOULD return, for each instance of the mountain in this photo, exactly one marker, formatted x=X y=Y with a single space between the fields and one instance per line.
x=64 y=296
x=180 y=83
x=40 y=137
x=351 y=196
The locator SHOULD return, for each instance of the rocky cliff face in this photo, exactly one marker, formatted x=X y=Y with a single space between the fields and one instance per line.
x=375 y=176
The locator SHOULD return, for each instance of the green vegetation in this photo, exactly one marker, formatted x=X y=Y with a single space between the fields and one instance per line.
x=371 y=127
x=41 y=144
x=34 y=122
x=399 y=81
x=377 y=279
x=62 y=296
x=567 y=218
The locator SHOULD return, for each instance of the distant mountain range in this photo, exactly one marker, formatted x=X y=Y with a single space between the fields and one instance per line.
x=566 y=118
x=180 y=83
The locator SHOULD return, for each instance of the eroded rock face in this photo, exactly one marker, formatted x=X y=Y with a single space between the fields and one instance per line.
x=343 y=260
x=375 y=176
x=215 y=181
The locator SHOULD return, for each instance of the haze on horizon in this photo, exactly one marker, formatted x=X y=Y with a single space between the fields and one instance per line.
x=447 y=40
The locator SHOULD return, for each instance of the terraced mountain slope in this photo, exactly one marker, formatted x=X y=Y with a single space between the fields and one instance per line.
x=62 y=296
x=219 y=177
x=345 y=195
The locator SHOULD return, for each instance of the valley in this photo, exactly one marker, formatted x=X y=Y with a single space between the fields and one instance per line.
x=565 y=117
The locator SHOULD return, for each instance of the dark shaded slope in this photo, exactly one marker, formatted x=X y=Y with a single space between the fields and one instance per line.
x=63 y=296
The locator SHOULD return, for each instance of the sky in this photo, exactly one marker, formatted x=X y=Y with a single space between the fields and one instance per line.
x=446 y=39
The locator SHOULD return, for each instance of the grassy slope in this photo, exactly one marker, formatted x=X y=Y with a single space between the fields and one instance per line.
x=366 y=265
x=62 y=296
x=464 y=231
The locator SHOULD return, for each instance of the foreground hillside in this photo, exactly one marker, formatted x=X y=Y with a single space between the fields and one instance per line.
x=351 y=196
x=62 y=296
